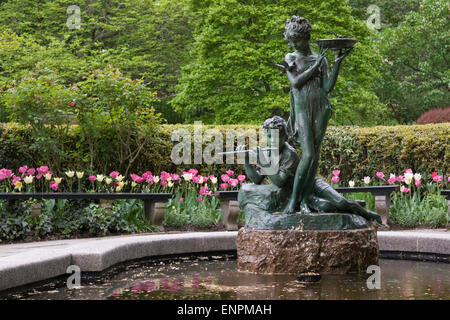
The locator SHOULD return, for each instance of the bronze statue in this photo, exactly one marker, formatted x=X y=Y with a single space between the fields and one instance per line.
x=260 y=201
x=296 y=192
x=310 y=108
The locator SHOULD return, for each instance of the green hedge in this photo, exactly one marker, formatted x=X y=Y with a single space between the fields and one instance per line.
x=356 y=151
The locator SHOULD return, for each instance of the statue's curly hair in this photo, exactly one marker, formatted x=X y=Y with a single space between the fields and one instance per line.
x=276 y=122
x=297 y=28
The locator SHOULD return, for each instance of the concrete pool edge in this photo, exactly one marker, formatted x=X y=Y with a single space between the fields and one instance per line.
x=95 y=255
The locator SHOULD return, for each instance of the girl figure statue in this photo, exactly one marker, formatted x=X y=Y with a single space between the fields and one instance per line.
x=310 y=108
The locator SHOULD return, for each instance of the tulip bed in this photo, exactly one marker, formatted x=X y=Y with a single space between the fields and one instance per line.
x=194 y=202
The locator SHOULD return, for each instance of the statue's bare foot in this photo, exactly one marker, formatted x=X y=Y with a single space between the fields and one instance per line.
x=290 y=208
x=304 y=208
x=374 y=216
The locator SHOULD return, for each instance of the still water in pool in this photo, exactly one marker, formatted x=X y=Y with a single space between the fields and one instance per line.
x=217 y=278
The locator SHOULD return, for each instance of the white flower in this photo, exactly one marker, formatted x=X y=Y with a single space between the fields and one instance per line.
x=80 y=174
x=409 y=176
x=366 y=180
x=351 y=183
x=100 y=177
x=48 y=176
x=213 y=180
x=402 y=188
x=392 y=176
x=120 y=178
x=187 y=176
x=28 y=179
x=156 y=179
x=417 y=176
x=408 y=180
x=108 y=180
x=170 y=184
x=70 y=174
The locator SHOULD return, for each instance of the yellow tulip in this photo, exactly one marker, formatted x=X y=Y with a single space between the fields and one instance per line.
x=58 y=180
x=48 y=176
x=80 y=174
x=108 y=180
x=18 y=185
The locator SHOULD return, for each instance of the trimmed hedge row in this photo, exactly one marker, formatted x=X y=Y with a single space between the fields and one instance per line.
x=356 y=151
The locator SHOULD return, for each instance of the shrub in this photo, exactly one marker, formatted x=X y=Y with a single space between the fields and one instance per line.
x=356 y=151
x=439 y=115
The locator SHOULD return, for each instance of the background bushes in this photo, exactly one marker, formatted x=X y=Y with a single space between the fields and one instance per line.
x=356 y=151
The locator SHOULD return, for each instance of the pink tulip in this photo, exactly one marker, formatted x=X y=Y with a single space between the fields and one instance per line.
x=147 y=175
x=230 y=172
x=400 y=178
x=175 y=177
x=114 y=174
x=196 y=179
x=225 y=178
x=408 y=171
x=92 y=178
x=392 y=180
x=31 y=172
x=418 y=183
x=336 y=172
x=136 y=178
x=224 y=186
x=181 y=199
x=380 y=175
x=164 y=175
x=241 y=178
x=335 y=179
x=72 y=104
x=193 y=171
x=163 y=183
x=438 y=178
x=405 y=190
x=200 y=199
x=448 y=180
x=54 y=186
x=234 y=182
x=23 y=169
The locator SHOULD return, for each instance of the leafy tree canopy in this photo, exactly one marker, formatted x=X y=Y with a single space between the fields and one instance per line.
x=232 y=76
x=416 y=75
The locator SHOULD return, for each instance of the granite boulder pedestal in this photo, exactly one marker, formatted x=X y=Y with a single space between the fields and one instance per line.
x=328 y=243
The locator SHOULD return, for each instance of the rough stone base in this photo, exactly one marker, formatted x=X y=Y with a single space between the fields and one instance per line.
x=295 y=251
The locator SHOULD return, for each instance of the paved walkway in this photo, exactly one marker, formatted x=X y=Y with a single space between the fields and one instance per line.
x=25 y=263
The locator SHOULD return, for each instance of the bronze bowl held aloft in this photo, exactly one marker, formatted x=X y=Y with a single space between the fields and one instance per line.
x=338 y=43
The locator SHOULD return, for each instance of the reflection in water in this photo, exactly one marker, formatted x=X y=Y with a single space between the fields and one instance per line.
x=218 y=278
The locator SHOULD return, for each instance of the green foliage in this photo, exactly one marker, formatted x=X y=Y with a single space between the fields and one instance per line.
x=67 y=219
x=412 y=210
x=232 y=76
x=356 y=151
x=145 y=39
x=108 y=99
x=114 y=114
x=415 y=69
x=392 y=12
x=15 y=219
x=189 y=211
x=43 y=104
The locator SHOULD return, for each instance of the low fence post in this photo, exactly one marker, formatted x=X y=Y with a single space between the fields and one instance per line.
x=382 y=206
x=230 y=213
x=154 y=213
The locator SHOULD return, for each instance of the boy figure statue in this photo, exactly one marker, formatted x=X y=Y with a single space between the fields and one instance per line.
x=262 y=201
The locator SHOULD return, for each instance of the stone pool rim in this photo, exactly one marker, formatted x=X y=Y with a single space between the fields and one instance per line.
x=99 y=254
